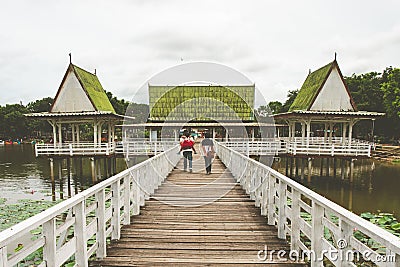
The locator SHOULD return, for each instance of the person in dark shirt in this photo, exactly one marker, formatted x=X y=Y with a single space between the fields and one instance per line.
x=207 y=151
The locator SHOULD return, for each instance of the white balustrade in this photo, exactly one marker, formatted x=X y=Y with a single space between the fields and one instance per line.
x=78 y=228
x=316 y=227
x=74 y=149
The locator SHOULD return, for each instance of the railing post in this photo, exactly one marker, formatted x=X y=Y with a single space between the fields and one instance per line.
x=115 y=220
x=346 y=232
x=333 y=150
x=317 y=232
x=294 y=220
x=127 y=199
x=49 y=249
x=81 y=257
x=271 y=199
x=101 y=224
x=3 y=256
x=36 y=154
x=264 y=192
x=281 y=209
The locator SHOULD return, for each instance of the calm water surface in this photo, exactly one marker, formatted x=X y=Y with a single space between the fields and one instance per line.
x=23 y=176
x=376 y=190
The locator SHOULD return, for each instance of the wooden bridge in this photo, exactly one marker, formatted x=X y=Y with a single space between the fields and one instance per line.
x=195 y=219
x=245 y=213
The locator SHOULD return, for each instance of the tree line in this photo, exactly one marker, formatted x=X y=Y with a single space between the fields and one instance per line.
x=373 y=91
x=15 y=125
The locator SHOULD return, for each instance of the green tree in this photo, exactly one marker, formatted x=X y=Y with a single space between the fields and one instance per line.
x=275 y=107
x=292 y=94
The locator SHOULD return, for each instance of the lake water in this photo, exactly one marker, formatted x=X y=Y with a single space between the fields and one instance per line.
x=22 y=176
x=376 y=186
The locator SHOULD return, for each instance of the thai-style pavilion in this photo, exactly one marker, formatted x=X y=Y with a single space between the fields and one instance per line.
x=325 y=100
x=224 y=111
x=80 y=101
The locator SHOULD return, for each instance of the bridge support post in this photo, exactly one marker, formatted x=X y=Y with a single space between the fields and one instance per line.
x=342 y=173
x=334 y=167
x=352 y=170
x=92 y=165
x=309 y=170
x=302 y=168
x=328 y=167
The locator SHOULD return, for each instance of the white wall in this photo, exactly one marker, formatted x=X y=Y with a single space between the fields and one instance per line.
x=72 y=97
x=333 y=96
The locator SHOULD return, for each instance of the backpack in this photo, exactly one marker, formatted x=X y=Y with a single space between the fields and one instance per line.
x=187 y=143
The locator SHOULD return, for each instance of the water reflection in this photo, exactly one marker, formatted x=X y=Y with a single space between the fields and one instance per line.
x=375 y=186
x=23 y=176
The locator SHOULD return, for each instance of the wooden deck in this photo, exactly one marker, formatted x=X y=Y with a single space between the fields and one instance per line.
x=181 y=225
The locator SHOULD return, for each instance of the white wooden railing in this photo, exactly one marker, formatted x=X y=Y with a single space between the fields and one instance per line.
x=334 y=149
x=298 y=146
x=74 y=149
x=256 y=147
x=314 y=225
x=134 y=147
x=77 y=228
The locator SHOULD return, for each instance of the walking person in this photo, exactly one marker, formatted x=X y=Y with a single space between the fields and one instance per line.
x=187 y=143
x=207 y=149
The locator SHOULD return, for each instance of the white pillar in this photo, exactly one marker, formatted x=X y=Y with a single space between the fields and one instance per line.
x=351 y=123
x=59 y=133
x=95 y=133
x=226 y=135
x=303 y=132
x=330 y=132
x=325 y=132
x=73 y=133
x=290 y=132
x=308 y=123
x=277 y=132
x=109 y=133
x=213 y=135
x=99 y=132
x=294 y=131
x=54 y=133
x=344 y=128
x=252 y=135
x=77 y=134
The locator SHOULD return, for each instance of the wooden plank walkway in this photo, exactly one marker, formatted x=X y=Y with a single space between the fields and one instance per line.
x=195 y=219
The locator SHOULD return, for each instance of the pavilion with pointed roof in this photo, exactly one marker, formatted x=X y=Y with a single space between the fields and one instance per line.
x=325 y=100
x=80 y=101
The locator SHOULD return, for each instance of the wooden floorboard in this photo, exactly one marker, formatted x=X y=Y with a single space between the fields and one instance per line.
x=195 y=219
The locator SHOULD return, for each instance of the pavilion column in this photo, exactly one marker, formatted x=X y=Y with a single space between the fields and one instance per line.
x=73 y=133
x=77 y=134
x=213 y=130
x=53 y=124
x=109 y=133
x=330 y=132
x=59 y=134
x=95 y=133
x=325 y=132
x=308 y=123
x=344 y=130
x=277 y=132
x=252 y=135
x=290 y=132
x=303 y=132
x=351 y=123
x=226 y=135
x=294 y=131
x=99 y=132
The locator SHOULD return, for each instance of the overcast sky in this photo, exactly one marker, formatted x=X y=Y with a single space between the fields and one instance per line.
x=274 y=43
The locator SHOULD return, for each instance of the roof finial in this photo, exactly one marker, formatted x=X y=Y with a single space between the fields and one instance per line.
x=94 y=71
x=309 y=71
x=335 y=56
x=70 y=58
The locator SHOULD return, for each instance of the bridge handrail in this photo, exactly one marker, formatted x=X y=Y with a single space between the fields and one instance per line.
x=124 y=193
x=270 y=190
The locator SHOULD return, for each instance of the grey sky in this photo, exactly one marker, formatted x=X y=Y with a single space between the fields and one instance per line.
x=274 y=43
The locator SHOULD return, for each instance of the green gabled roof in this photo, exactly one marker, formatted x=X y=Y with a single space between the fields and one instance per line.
x=310 y=88
x=93 y=89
